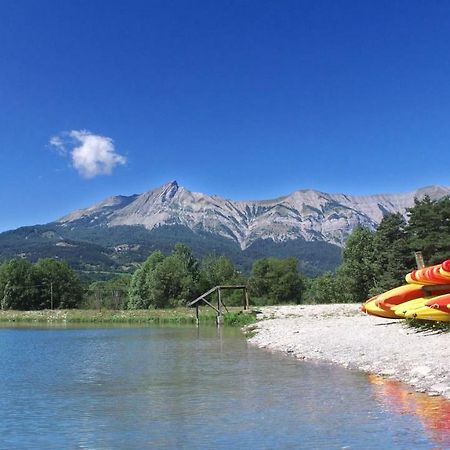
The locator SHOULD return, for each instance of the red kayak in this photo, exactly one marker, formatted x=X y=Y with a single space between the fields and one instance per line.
x=408 y=292
x=432 y=274
x=442 y=303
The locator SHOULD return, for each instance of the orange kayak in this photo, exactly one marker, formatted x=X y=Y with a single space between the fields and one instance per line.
x=436 y=274
x=441 y=302
x=371 y=307
x=399 y=295
x=409 y=292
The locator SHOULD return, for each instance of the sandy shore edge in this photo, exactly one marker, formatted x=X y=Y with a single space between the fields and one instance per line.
x=341 y=334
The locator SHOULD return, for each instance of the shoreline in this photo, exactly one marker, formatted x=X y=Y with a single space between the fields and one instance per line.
x=180 y=315
x=341 y=334
x=177 y=315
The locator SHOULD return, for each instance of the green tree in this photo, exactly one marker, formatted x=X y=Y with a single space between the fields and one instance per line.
x=217 y=270
x=60 y=285
x=423 y=227
x=357 y=271
x=184 y=256
x=392 y=257
x=276 y=280
x=26 y=286
x=165 y=281
x=172 y=284
x=139 y=295
x=428 y=228
x=443 y=253
x=327 y=288
x=19 y=285
x=110 y=294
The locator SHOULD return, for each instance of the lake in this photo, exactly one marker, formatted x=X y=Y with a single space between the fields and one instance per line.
x=180 y=387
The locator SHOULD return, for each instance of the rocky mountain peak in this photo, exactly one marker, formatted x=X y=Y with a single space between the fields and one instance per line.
x=169 y=190
x=307 y=214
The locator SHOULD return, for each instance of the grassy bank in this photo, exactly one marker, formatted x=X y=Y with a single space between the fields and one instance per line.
x=154 y=316
x=429 y=325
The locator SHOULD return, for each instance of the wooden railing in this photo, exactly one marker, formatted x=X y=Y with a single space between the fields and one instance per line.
x=202 y=299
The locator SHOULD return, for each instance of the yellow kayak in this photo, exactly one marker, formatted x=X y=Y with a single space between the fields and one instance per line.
x=371 y=307
x=427 y=313
x=405 y=308
x=436 y=308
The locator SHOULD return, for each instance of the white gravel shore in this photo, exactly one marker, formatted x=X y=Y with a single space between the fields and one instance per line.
x=343 y=335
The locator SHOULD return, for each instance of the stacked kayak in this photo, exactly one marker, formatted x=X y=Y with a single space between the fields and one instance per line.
x=426 y=296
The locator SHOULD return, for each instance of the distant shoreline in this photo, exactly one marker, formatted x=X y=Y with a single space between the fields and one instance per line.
x=176 y=315
x=343 y=335
x=107 y=316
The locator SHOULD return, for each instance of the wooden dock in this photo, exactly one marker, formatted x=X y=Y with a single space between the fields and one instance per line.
x=203 y=299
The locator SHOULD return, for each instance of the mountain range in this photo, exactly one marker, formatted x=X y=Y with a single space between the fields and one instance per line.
x=116 y=233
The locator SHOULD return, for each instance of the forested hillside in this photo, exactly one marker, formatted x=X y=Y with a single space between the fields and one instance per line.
x=93 y=250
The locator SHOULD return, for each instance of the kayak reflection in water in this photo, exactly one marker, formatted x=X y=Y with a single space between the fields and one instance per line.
x=433 y=412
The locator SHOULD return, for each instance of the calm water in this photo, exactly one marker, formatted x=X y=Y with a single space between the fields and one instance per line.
x=179 y=387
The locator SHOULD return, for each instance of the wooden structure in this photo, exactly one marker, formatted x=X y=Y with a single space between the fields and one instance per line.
x=202 y=299
x=419 y=260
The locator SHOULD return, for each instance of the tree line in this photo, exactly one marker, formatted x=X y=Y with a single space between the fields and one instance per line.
x=373 y=261
x=47 y=284
x=162 y=281
x=175 y=279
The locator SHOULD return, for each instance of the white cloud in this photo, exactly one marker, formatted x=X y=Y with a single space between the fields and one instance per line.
x=57 y=143
x=91 y=154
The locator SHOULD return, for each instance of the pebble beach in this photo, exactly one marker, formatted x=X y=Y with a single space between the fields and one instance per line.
x=342 y=334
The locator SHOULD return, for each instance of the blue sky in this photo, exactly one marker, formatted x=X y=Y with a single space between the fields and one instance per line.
x=245 y=99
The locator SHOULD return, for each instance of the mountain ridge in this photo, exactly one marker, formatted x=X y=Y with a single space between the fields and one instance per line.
x=307 y=214
x=117 y=233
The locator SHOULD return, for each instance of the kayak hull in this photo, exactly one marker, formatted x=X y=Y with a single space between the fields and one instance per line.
x=371 y=307
x=427 y=313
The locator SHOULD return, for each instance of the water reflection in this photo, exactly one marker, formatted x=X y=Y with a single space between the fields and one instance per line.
x=182 y=387
x=433 y=412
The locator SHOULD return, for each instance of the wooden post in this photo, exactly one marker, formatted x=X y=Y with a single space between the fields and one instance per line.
x=197 y=320
x=219 y=307
x=247 y=300
x=219 y=320
x=419 y=260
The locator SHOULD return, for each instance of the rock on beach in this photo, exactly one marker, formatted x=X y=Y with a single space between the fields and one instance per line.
x=343 y=335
